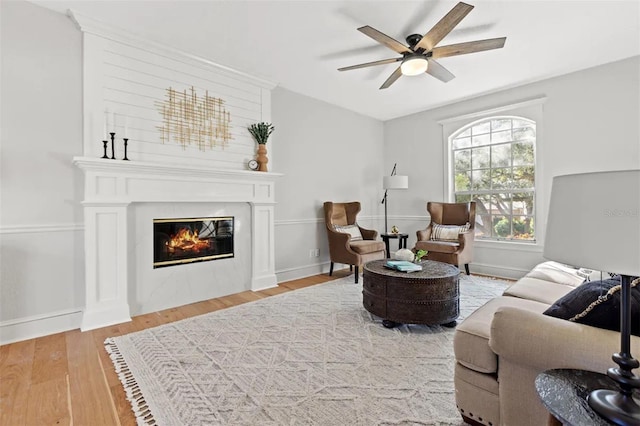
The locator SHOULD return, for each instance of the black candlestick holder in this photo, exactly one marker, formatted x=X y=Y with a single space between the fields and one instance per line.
x=126 y=142
x=113 y=150
x=104 y=145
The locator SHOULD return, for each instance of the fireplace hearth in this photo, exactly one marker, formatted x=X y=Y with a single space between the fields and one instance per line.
x=188 y=240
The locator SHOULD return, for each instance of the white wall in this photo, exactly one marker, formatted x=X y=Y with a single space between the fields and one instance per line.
x=326 y=154
x=590 y=123
x=41 y=246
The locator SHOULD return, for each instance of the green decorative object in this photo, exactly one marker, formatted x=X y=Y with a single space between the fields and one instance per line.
x=261 y=132
x=420 y=254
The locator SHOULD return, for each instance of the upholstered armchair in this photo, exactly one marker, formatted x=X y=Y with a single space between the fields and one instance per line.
x=349 y=243
x=450 y=235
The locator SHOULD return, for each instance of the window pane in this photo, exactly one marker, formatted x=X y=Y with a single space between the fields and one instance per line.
x=463 y=198
x=461 y=143
x=465 y=133
x=500 y=124
x=501 y=226
x=522 y=154
x=523 y=203
x=501 y=204
x=462 y=181
x=503 y=136
x=523 y=177
x=501 y=155
x=480 y=158
x=483 y=218
x=481 y=128
x=481 y=140
x=480 y=179
x=521 y=123
x=501 y=178
x=462 y=160
x=523 y=228
x=524 y=133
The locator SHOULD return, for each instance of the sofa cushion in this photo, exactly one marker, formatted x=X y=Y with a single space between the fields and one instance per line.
x=597 y=303
x=366 y=246
x=471 y=339
x=556 y=273
x=439 y=246
x=447 y=232
x=537 y=289
x=352 y=230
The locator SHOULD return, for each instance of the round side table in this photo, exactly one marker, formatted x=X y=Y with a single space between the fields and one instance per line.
x=564 y=393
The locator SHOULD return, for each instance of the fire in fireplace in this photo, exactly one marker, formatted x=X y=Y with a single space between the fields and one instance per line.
x=188 y=240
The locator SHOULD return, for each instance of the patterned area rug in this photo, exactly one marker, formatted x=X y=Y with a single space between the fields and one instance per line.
x=313 y=356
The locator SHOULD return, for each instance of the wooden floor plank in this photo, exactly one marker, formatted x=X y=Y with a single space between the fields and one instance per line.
x=91 y=401
x=49 y=358
x=15 y=384
x=47 y=403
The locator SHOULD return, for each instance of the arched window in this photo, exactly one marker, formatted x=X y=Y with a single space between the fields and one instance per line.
x=493 y=163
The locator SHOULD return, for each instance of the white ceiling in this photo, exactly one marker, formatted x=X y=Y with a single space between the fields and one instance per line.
x=300 y=44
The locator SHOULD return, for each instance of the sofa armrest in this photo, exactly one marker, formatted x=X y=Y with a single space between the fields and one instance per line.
x=543 y=342
x=466 y=239
x=368 y=234
x=424 y=234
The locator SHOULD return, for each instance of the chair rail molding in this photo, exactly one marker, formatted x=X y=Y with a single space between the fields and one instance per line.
x=111 y=186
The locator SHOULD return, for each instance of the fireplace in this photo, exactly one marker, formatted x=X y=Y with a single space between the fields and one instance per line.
x=188 y=240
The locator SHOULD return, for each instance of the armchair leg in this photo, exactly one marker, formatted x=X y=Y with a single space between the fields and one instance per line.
x=350 y=268
x=331 y=269
x=357 y=273
x=466 y=268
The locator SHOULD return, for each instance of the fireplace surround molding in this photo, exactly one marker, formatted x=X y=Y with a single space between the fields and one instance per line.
x=110 y=187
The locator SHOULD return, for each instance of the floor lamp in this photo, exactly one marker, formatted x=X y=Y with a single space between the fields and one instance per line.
x=594 y=222
x=393 y=181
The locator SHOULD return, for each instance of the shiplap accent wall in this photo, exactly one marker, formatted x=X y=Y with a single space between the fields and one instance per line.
x=125 y=77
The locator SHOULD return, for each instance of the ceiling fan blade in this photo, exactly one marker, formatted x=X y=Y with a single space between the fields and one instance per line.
x=444 y=26
x=392 y=78
x=439 y=72
x=468 y=47
x=382 y=38
x=370 y=64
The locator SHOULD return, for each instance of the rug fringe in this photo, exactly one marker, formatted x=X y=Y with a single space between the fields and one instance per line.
x=134 y=395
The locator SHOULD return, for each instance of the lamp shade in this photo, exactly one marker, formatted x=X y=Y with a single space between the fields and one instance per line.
x=414 y=65
x=395 y=182
x=594 y=221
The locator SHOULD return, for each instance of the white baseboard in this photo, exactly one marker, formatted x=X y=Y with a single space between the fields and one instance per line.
x=497 y=271
x=304 y=271
x=39 y=325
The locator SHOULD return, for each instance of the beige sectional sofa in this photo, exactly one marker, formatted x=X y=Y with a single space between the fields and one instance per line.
x=505 y=344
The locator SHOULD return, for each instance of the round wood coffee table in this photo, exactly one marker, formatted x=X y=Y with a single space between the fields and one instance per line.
x=430 y=296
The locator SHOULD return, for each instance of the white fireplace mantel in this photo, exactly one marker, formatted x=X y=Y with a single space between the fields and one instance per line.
x=112 y=185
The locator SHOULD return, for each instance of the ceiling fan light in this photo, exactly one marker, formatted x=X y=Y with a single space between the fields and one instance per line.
x=414 y=65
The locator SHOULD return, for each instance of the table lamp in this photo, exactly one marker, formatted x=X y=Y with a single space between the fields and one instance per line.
x=594 y=222
x=393 y=181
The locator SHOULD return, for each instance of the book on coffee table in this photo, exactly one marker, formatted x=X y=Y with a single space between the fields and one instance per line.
x=403 y=266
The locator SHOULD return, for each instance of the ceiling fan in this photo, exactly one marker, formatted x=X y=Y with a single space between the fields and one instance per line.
x=421 y=54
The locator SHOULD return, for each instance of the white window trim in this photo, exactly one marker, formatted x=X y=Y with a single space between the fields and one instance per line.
x=531 y=109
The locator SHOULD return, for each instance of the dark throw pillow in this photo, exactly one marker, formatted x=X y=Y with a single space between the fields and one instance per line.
x=597 y=303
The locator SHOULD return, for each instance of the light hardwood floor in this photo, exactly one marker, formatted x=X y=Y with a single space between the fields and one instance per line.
x=68 y=378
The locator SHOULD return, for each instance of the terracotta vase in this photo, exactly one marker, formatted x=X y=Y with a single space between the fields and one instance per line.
x=262 y=157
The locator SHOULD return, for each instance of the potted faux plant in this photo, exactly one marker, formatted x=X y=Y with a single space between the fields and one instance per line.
x=261 y=132
x=419 y=255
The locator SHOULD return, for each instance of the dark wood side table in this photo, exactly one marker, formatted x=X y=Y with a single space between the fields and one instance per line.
x=564 y=394
x=402 y=241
